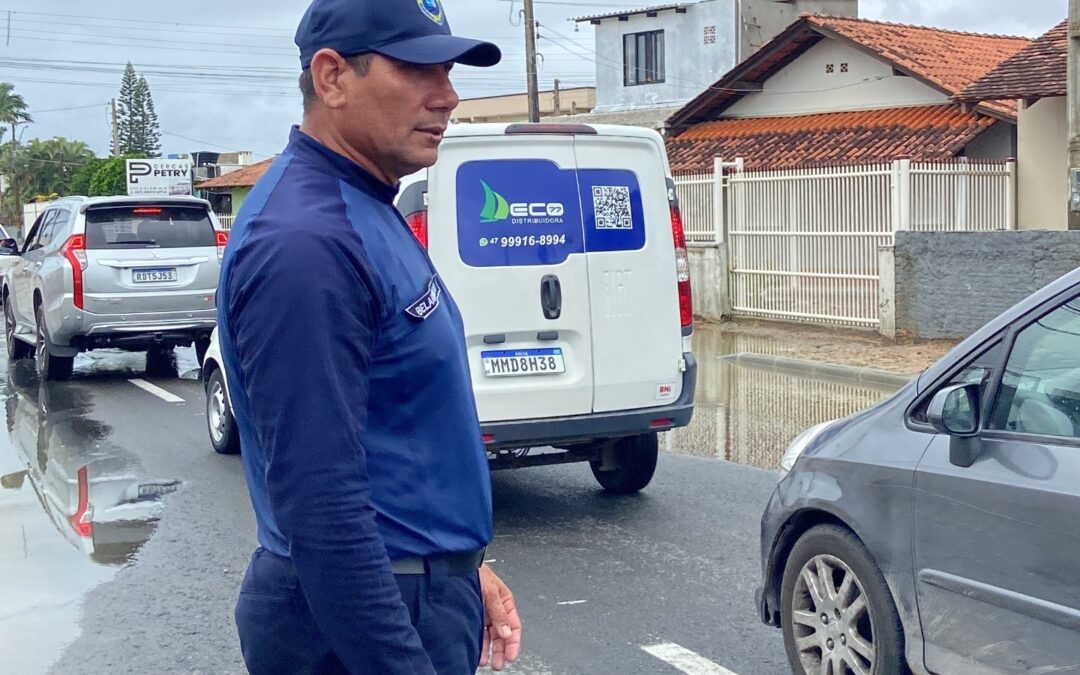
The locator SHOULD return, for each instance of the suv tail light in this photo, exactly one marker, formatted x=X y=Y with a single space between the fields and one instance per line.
x=83 y=519
x=74 y=249
x=417 y=223
x=222 y=239
x=682 y=268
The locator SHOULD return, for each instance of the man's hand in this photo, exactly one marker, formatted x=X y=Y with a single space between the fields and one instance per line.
x=502 y=625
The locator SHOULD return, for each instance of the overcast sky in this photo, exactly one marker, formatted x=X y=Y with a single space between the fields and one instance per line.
x=223 y=72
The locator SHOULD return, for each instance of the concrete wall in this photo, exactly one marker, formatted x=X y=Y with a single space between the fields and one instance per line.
x=805 y=86
x=515 y=107
x=1042 y=165
x=690 y=65
x=709 y=281
x=949 y=284
x=762 y=20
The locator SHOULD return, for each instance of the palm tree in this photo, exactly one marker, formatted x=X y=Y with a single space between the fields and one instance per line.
x=12 y=108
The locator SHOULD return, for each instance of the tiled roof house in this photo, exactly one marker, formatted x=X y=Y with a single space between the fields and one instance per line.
x=837 y=91
x=1036 y=78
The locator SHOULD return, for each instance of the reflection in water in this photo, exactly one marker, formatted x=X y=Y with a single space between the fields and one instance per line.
x=749 y=414
x=73 y=508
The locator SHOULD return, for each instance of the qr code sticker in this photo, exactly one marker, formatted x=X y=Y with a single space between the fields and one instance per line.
x=611 y=207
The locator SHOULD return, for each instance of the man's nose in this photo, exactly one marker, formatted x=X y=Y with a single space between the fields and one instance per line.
x=446 y=98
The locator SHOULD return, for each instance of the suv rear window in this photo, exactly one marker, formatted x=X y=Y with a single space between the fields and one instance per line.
x=146 y=226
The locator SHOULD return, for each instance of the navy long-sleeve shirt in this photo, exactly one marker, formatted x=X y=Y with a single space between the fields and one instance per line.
x=350 y=387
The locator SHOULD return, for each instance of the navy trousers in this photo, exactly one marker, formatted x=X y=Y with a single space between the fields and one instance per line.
x=278 y=633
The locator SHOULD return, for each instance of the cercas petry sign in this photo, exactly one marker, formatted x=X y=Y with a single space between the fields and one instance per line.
x=158 y=177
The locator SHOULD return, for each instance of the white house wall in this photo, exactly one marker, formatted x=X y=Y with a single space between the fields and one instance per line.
x=762 y=20
x=1042 y=165
x=690 y=64
x=804 y=87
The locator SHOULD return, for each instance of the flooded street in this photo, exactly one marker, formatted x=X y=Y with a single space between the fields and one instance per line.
x=748 y=413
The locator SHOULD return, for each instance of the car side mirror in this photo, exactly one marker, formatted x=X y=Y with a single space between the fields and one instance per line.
x=9 y=247
x=954 y=411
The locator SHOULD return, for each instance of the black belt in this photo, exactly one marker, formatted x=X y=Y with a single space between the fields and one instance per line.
x=452 y=564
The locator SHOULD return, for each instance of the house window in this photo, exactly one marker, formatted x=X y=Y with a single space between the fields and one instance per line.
x=643 y=58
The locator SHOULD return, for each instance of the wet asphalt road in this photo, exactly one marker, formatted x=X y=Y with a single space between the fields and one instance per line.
x=597 y=577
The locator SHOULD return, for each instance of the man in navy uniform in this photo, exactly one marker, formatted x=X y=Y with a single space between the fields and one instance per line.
x=349 y=377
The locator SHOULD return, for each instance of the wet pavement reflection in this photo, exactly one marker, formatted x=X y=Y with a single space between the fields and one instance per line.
x=749 y=414
x=74 y=507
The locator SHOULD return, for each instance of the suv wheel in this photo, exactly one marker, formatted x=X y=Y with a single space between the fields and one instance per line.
x=16 y=348
x=837 y=613
x=632 y=465
x=49 y=367
x=224 y=435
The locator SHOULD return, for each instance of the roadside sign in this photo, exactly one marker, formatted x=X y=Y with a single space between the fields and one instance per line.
x=158 y=177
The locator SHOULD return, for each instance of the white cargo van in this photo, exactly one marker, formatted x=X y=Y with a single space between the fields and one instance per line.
x=563 y=247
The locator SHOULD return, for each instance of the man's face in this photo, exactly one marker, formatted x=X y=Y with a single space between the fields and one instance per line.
x=396 y=114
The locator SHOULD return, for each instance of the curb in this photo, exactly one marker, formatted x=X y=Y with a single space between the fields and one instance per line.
x=870 y=376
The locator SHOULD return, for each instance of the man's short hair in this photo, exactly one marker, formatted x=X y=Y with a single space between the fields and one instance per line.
x=361 y=63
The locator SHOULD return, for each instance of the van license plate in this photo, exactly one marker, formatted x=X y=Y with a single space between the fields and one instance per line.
x=150 y=276
x=516 y=362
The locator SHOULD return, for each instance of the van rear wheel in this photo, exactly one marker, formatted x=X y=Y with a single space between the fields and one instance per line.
x=629 y=465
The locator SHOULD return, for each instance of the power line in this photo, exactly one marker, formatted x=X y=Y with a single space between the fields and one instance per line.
x=78 y=107
x=212 y=145
x=146 y=21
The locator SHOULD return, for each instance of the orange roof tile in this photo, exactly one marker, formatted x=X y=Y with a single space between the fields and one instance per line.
x=1038 y=70
x=946 y=60
x=924 y=133
x=245 y=177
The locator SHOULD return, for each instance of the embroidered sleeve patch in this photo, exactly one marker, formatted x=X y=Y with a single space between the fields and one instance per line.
x=426 y=303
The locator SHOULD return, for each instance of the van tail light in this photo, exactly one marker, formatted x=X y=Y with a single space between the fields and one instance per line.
x=221 y=237
x=682 y=268
x=82 y=521
x=74 y=250
x=417 y=223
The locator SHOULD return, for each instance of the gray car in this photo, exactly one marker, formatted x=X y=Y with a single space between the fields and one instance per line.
x=121 y=272
x=940 y=530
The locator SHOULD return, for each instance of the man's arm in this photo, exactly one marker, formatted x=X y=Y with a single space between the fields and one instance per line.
x=305 y=314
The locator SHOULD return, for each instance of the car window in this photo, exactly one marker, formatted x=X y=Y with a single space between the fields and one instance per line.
x=128 y=227
x=1040 y=388
x=49 y=229
x=35 y=230
x=978 y=370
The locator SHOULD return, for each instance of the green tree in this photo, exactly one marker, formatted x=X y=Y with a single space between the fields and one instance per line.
x=12 y=108
x=126 y=110
x=80 y=180
x=111 y=177
x=12 y=113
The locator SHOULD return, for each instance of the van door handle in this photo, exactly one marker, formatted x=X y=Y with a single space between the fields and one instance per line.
x=551 y=296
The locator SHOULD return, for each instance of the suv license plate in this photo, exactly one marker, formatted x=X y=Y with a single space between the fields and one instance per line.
x=150 y=276
x=517 y=362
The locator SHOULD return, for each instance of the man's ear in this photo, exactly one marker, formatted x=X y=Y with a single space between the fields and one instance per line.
x=328 y=68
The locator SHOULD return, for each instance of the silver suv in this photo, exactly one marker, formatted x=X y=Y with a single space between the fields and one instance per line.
x=132 y=273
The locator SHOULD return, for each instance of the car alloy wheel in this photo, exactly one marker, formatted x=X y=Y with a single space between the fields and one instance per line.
x=833 y=629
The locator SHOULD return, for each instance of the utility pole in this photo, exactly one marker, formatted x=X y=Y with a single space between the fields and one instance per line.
x=1074 y=114
x=115 y=130
x=530 y=61
x=556 y=96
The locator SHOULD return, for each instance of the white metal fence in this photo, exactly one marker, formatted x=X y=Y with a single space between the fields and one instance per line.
x=803 y=244
x=226 y=221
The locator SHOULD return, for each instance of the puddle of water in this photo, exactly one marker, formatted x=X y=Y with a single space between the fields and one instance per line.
x=74 y=508
x=750 y=414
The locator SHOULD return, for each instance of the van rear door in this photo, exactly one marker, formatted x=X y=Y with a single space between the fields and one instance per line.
x=505 y=232
x=633 y=289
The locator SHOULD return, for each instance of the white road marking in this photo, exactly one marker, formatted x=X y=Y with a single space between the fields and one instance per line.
x=156 y=391
x=572 y=602
x=685 y=660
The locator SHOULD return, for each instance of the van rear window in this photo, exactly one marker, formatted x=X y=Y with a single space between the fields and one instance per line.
x=148 y=226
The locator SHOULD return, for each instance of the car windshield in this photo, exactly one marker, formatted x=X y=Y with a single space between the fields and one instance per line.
x=143 y=226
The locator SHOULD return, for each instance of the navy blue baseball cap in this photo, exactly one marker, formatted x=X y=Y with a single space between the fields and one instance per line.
x=414 y=31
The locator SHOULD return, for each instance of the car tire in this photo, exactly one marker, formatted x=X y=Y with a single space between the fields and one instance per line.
x=50 y=367
x=224 y=435
x=634 y=463
x=16 y=348
x=835 y=605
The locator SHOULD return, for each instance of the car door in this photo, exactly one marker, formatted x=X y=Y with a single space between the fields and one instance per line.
x=23 y=274
x=35 y=258
x=997 y=542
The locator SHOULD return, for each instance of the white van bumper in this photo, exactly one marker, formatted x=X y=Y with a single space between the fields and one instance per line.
x=579 y=429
